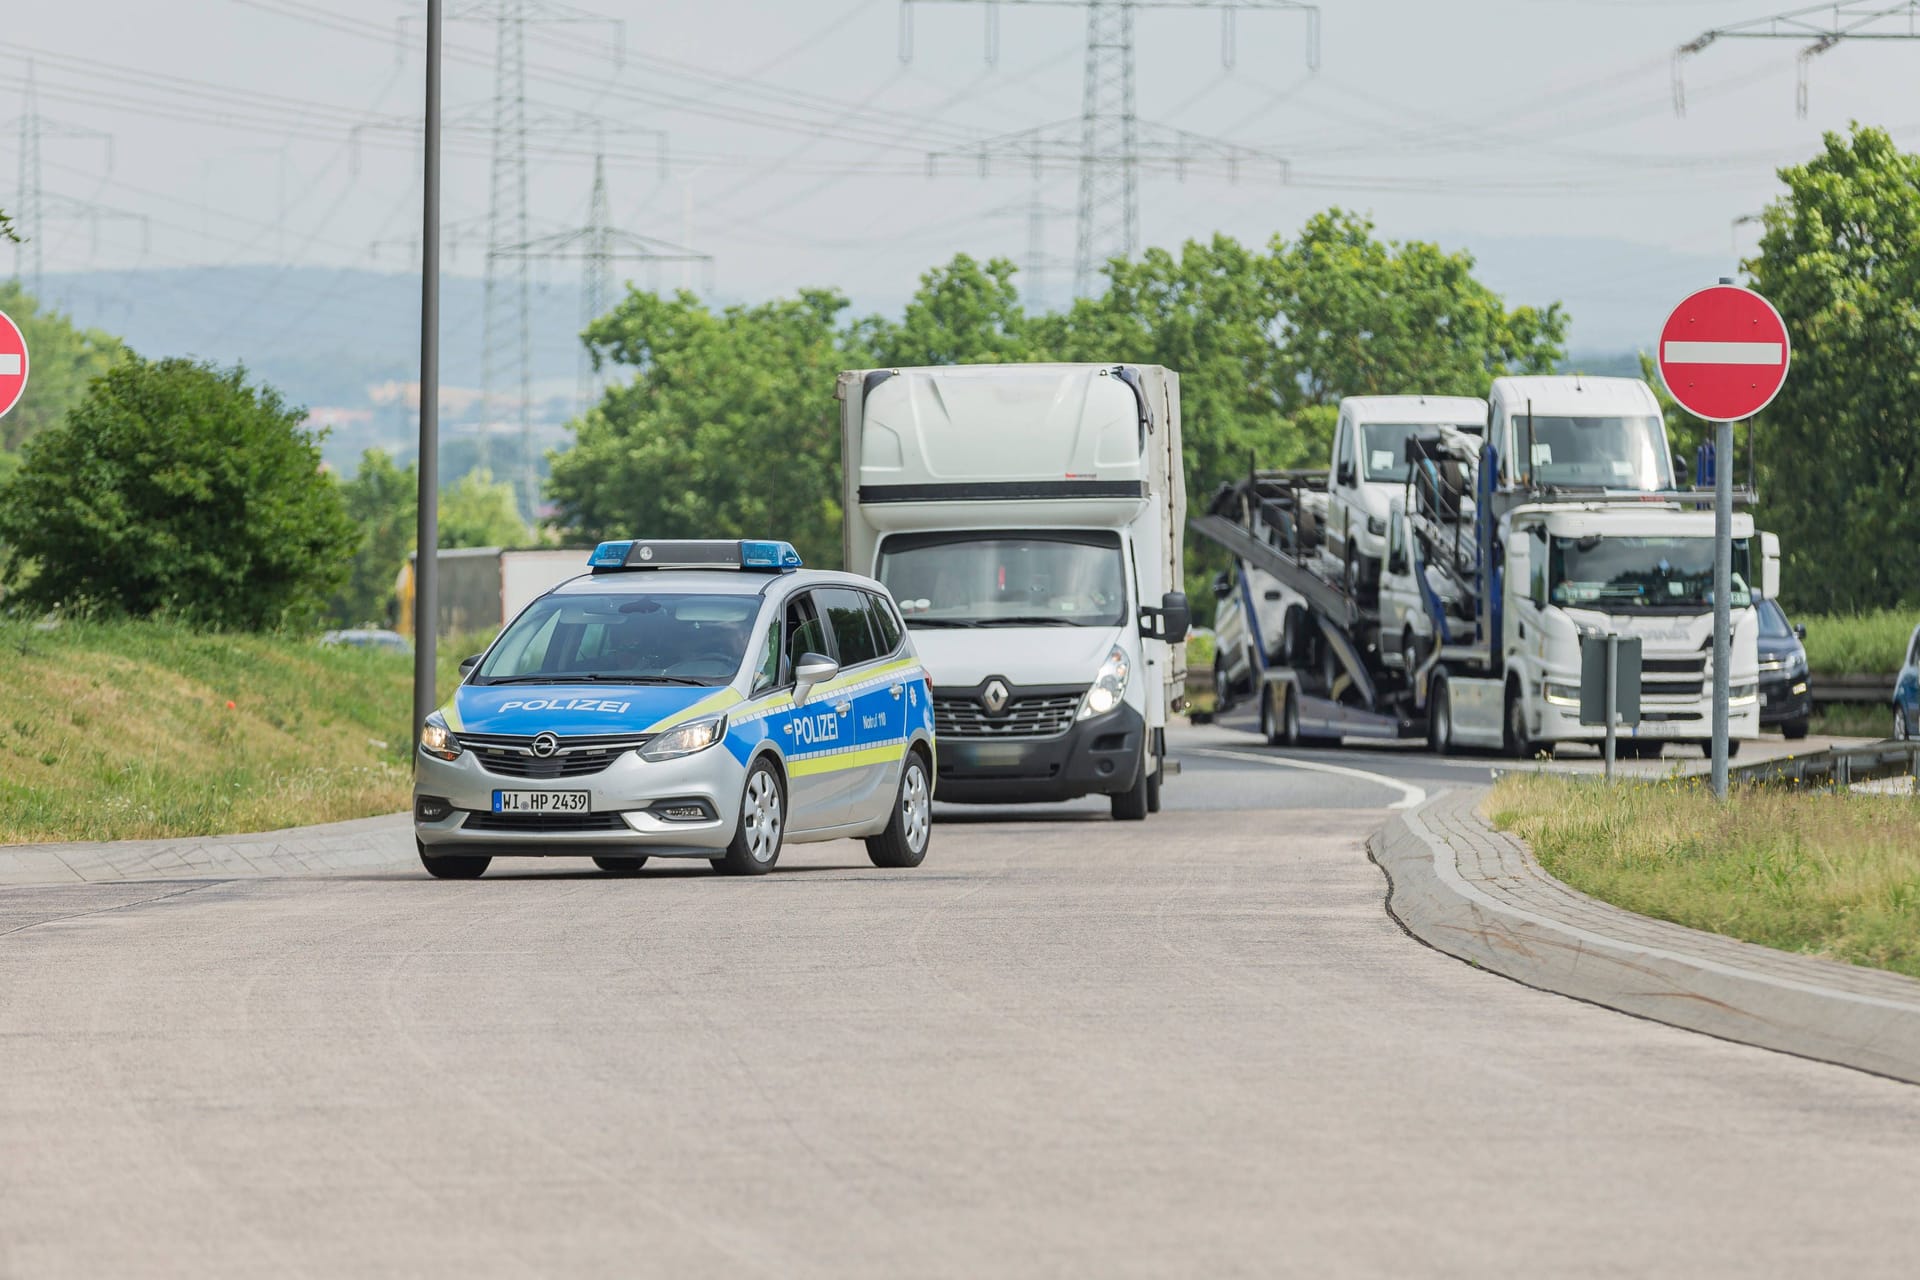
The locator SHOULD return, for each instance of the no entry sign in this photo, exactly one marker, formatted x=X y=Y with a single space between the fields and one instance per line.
x=13 y=364
x=1724 y=353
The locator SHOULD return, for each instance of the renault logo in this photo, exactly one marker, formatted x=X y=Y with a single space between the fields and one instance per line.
x=995 y=696
x=544 y=745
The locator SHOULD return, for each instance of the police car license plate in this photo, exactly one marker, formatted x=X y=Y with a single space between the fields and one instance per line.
x=540 y=802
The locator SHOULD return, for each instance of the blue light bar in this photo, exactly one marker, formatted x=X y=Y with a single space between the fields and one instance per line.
x=609 y=555
x=753 y=555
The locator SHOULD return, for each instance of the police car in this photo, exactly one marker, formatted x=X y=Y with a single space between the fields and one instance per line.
x=684 y=699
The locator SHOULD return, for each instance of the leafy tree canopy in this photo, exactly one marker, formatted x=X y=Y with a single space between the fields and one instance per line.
x=479 y=511
x=177 y=487
x=382 y=501
x=1840 y=446
x=66 y=360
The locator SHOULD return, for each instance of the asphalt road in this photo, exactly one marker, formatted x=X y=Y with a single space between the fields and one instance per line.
x=1064 y=1046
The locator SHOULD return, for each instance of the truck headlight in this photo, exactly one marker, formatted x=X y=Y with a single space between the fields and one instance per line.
x=685 y=739
x=437 y=740
x=1743 y=693
x=1563 y=695
x=1104 y=696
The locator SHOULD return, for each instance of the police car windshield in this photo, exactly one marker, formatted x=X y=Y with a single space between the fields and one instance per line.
x=639 y=637
x=1038 y=579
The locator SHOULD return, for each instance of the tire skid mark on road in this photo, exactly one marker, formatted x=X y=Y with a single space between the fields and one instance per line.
x=1410 y=793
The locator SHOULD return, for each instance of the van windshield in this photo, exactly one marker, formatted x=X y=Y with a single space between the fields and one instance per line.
x=1642 y=574
x=1595 y=452
x=1385 y=456
x=987 y=579
x=638 y=637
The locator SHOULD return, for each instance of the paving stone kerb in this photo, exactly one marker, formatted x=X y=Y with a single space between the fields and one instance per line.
x=359 y=845
x=1478 y=894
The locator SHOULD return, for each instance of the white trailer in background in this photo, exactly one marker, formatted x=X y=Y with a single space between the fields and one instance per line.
x=483 y=588
x=1029 y=520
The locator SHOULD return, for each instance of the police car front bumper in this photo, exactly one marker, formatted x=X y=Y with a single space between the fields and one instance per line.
x=454 y=809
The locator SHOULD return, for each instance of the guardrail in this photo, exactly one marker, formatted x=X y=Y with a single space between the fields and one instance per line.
x=1874 y=689
x=1838 y=767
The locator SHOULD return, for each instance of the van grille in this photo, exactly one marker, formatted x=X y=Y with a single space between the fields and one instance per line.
x=1033 y=716
x=512 y=756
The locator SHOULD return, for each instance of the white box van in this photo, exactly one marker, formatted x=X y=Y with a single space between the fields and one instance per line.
x=1370 y=471
x=1029 y=520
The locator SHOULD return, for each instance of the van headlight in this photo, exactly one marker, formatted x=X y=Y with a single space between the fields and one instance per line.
x=437 y=740
x=1104 y=696
x=685 y=739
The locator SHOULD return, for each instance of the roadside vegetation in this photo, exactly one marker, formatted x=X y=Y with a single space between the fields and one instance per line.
x=131 y=729
x=1851 y=720
x=1852 y=644
x=1828 y=874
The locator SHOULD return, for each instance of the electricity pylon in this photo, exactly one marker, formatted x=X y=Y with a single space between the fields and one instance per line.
x=1038 y=264
x=36 y=206
x=1109 y=144
x=1824 y=25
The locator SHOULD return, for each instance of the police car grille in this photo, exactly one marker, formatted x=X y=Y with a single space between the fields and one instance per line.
x=513 y=757
x=1039 y=716
x=534 y=822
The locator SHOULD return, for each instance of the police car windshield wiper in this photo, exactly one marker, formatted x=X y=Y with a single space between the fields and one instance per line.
x=593 y=677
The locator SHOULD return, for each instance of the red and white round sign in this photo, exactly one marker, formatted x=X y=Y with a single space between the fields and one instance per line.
x=13 y=364
x=1724 y=353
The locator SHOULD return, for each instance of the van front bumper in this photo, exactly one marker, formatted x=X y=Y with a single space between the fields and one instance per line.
x=1096 y=756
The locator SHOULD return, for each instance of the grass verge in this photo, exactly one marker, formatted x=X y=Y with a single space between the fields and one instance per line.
x=1829 y=874
x=1851 y=720
x=1850 y=644
x=125 y=730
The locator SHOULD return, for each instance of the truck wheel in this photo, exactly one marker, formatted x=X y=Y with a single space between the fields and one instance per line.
x=451 y=866
x=1290 y=719
x=1270 y=721
x=910 y=830
x=1440 y=720
x=1131 y=805
x=1519 y=745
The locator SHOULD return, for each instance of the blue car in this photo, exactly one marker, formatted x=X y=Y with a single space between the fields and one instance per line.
x=1906 y=693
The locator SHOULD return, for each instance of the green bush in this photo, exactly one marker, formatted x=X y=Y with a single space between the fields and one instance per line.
x=1845 y=644
x=176 y=488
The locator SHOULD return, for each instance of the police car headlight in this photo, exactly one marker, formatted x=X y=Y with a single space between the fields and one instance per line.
x=1108 y=685
x=685 y=739
x=438 y=740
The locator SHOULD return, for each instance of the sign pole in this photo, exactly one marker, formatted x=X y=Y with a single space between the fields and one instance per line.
x=426 y=561
x=1722 y=599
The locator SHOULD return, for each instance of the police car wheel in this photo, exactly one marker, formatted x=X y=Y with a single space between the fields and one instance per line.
x=910 y=830
x=763 y=824
x=620 y=866
x=447 y=866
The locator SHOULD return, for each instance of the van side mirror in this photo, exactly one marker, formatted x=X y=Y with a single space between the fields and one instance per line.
x=1800 y=630
x=1344 y=477
x=1222 y=586
x=1170 y=622
x=812 y=669
x=468 y=664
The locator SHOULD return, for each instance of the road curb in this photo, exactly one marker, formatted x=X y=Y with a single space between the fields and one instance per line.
x=1479 y=895
x=360 y=844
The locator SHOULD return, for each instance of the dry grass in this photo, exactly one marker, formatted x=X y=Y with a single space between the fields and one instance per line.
x=126 y=730
x=1830 y=874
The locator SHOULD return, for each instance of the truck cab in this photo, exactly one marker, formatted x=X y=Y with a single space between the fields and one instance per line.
x=1370 y=471
x=1569 y=431
x=1029 y=520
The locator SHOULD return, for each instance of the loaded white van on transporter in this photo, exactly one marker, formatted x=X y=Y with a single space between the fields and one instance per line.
x=1029 y=520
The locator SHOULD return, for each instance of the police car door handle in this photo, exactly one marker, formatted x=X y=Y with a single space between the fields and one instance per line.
x=843 y=707
x=896 y=690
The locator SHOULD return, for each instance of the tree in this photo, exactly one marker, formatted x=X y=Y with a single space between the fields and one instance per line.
x=177 y=487
x=1840 y=446
x=479 y=511
x=66 y=360
x=963 y=313
x=382 y=501
x=727 y=429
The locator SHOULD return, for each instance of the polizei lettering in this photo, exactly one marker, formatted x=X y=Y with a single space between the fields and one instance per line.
x=813 y=730
x=564 y=704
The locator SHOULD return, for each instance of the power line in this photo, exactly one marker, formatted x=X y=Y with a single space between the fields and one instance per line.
x=1110 y=141
x=36 y=203
x=1825 y=25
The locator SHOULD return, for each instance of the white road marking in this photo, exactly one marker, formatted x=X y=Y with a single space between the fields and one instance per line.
x=1725 y=353
x=9 y=364
x=1410 y=795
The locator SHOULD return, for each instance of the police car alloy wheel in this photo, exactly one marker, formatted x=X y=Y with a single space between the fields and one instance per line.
x=763 y=822
x=910 y=830
x=620 y=866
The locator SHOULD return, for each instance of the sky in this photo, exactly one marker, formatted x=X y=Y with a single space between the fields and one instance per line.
x=791 y=141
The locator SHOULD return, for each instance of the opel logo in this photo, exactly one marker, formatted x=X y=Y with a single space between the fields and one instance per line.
x=544 y=745
x=995 y=696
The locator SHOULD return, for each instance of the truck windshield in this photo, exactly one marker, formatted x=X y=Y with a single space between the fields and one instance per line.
x=1596 y=453
x=1385 y=455
x=1664 y=574
x=967 y=579
x=637 y=637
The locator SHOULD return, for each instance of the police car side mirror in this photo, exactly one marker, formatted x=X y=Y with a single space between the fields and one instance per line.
x=812 y=669
x=468 y=664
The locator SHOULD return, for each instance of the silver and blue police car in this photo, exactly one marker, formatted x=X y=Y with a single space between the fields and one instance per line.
x=684 y=699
